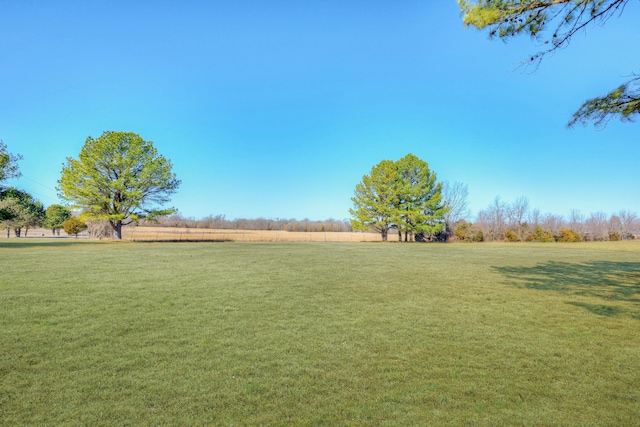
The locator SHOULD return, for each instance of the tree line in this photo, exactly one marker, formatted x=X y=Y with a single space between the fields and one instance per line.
x=400 y=196
x=221 y=222
x=518 y=222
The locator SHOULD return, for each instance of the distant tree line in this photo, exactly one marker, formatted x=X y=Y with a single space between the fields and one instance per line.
x=221 y=222
x=517 y=222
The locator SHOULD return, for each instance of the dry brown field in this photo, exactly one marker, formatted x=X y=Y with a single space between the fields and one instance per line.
x=206 y=234
x=141 y=234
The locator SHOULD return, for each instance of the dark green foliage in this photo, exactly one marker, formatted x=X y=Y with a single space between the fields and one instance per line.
x=19 y=209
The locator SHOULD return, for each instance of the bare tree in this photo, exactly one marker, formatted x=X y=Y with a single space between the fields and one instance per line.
x=516 y=214
x=615 y=228
x=597 y=227
x=576 y=221
x=534 y=218
x=455 y=198
x=493 y=220
x=552 y=223
x=99 y=229
x=630 y=224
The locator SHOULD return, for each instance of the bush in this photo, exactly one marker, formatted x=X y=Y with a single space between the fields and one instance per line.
x=74 y=226
x=466 y=232
x=569 y=236
x=613 y=236
x=511 y=236
x=99 y=229
x=542 y=235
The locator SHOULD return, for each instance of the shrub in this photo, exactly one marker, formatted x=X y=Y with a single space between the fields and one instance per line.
x=74 y=226
x=613 y=236
x=542 y=235
x=569 y=236
x=466 y=232
x=511 y=236
x=99 y=229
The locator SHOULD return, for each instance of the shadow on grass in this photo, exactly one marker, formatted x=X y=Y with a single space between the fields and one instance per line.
x=32 y=242
x=604 y=280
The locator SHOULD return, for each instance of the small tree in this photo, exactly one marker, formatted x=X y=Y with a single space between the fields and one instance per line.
x=55 y=215
x=74 y=226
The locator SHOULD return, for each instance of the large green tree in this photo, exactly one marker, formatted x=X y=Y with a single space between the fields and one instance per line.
x=118 y=177
x=420 y=206
x=553 y=23
x=403 y=195
x=376 y=199
x=8 y=163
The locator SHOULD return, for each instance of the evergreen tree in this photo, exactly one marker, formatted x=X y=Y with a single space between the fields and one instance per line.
x=402 y=195
x=553 y=24
x=420 y=207
x=376 y=199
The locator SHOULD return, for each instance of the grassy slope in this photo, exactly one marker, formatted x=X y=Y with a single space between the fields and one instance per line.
x=319 y=334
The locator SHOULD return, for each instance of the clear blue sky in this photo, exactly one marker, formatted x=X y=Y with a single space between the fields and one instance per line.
x=278 y=108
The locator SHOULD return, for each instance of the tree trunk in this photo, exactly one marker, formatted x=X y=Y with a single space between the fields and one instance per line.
x=117 y=228
x=384 y=235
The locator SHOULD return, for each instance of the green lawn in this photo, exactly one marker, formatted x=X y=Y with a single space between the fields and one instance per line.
x=99 y=333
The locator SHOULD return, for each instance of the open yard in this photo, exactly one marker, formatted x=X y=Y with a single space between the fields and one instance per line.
x=132 y=333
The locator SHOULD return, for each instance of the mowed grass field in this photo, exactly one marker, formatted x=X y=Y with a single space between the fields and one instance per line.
x=104 y=333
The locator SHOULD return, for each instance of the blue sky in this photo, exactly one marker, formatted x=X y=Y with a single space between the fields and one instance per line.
x=277 y=109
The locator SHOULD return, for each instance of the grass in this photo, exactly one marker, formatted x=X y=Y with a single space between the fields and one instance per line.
x=102 y=333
